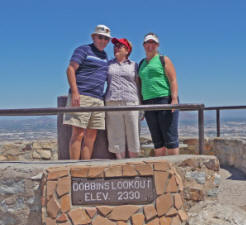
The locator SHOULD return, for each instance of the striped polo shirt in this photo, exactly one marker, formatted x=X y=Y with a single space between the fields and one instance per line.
x=92 y=72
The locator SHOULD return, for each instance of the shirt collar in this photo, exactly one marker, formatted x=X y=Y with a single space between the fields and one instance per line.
x=95 y=48
x=126 y=61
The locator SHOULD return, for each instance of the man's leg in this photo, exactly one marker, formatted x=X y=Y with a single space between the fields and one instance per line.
x=75 y=142
x=89 y=141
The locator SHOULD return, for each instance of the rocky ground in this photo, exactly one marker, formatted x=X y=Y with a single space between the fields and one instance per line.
x=230 y=208
x=233 y=187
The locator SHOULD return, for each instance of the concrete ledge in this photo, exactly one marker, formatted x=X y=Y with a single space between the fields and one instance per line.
x=20 y=184
x=46 y=164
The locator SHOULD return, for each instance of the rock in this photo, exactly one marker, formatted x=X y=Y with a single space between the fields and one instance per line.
x=217 y=179
x=212 y=212
x=149 y=212
x=123 y=212
x=2 y=158
x=79 y=216
x=104 y=210
x=200 y=177
x=65 y=203
x=44 y=154
x=113 y=171
x=91 y=211
x=138 y=219
x=99 y=220
x=37 y=177
x=28 y=147
x=213 y=192
x=35 y=155
x=11 y=187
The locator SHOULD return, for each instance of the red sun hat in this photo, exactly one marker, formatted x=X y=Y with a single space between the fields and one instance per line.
x=123 y=41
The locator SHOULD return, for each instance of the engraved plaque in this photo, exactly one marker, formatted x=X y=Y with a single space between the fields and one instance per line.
x=113 y=191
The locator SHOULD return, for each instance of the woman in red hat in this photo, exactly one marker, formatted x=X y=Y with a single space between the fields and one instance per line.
x=122 y=126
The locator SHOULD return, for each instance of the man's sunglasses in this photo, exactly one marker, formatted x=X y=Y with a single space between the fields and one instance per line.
x=100 y=37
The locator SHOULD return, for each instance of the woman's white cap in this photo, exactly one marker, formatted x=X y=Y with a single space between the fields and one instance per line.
x=151 y=37
x=102 y=30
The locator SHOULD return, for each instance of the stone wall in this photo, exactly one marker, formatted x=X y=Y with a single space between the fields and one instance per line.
x=24 y=198
x=229 y=151
x=28 y=150
x=166 y=206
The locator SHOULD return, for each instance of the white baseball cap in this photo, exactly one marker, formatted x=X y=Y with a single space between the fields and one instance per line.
x=151 y=37
x=102 y=30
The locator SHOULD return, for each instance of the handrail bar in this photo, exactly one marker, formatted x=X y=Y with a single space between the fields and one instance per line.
x=225 y=107
x=218 y=108
x=55 y=111
x=59 y=110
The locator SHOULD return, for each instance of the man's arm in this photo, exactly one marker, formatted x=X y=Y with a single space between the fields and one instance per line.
x=71 y=76
x=171 y=74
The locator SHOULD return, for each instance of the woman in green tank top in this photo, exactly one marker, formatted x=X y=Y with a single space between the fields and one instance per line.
x=159 y=86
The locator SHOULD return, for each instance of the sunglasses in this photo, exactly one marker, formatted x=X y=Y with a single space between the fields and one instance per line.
x=118 y=45
x=101 y=37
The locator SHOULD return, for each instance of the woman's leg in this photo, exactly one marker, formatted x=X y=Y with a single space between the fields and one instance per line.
x=169 y=121
x=131 y=121
x=133 y=154
x=115 y=132
x=155 y=131
x=121 y=155
x=160 y=151
x=173 y=151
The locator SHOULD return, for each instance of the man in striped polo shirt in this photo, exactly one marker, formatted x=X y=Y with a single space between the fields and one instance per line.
x=87 y=74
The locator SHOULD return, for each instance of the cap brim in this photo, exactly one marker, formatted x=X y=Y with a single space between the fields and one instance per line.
x=115 y=40
x=103 y=34
x=151 y=38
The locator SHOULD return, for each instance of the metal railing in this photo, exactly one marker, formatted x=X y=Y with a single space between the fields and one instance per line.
x=60 y=110
x=218 y=109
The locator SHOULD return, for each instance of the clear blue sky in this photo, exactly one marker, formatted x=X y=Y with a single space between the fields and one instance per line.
x=206 y=41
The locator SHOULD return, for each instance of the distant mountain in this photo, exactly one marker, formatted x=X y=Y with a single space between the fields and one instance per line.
x=37 y=128
x=27 y=124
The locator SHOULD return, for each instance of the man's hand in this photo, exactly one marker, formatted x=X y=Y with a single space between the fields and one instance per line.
x=75 y=100
x=71 y=70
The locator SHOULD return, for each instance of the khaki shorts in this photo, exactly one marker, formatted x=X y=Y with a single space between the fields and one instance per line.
x=90 y=120
x=122 y=129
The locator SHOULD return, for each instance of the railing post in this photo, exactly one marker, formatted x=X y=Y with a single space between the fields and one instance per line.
x=218 y=122
x=201 y=129
x=63 y=132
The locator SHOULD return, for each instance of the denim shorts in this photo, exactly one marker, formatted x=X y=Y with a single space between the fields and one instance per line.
x=163 y=124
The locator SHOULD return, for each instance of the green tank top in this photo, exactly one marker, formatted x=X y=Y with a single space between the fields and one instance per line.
x=154 y=82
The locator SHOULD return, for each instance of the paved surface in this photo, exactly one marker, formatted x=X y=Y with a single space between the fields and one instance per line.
x=233 y=187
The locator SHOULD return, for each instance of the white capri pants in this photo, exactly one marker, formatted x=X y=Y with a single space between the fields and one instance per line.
x=122 y=128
